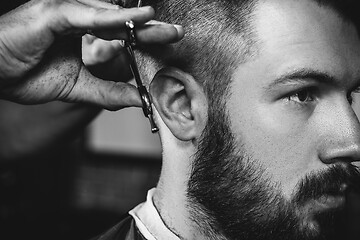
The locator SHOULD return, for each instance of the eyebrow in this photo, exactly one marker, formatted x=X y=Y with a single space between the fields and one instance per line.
x=302 y=74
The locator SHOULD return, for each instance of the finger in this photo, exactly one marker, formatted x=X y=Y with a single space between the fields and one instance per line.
x=80 y=16
x=109 y=95
x=153 y=22
x=88 y=39
x=117 y=69
x=99 y=4
x=100 y=51
x=148 y=34
x=160 y=33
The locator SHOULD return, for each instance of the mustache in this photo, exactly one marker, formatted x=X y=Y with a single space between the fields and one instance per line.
x=335 y=181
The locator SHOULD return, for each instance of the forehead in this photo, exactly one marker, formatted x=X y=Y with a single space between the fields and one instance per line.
x=301 y=33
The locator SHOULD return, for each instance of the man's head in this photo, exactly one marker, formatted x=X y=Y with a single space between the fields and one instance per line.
x=256 y=118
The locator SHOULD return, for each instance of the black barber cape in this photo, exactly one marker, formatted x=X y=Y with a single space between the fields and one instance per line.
x=124 y=230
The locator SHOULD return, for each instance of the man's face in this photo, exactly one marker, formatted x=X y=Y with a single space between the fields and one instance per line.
x=292 y=123
x=291 y=106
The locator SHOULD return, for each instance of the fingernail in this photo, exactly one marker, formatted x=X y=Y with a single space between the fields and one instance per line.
x=145 y=8
x=180 y=31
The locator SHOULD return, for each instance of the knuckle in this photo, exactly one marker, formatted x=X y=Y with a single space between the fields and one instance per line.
x=93 y=11
x=52 y=12
x=98 y=15
x=50 y=5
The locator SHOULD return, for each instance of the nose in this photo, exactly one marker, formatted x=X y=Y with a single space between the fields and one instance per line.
x=341 y=135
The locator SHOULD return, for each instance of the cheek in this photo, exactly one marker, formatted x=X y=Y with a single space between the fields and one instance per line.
x=282 y=146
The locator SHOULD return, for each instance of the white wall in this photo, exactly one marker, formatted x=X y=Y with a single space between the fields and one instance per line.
x=125 y=132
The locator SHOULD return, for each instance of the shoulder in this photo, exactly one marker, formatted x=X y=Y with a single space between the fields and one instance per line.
x=124 y=230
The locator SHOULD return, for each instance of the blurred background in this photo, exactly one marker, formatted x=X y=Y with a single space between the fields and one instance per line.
x=79 y=186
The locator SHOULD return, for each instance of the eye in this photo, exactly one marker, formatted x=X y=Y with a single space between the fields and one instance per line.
x=354 y=94
x=303 y=96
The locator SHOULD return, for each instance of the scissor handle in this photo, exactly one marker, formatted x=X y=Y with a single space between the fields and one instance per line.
x=146 y=107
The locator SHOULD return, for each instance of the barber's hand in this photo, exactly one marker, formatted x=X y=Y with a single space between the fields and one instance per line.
x=40 y=51
x=108 y=60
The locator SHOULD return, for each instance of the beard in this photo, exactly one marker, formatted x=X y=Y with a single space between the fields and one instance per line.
x=229 y=196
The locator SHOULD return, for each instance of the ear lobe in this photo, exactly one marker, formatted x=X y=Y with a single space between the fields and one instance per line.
x=181 y=103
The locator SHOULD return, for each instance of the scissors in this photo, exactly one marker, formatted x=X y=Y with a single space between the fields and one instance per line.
x=145 y=97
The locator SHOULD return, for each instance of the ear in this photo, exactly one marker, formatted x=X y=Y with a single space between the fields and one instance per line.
x=181 y=103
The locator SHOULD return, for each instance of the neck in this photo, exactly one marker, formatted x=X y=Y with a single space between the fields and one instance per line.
x=170 y=197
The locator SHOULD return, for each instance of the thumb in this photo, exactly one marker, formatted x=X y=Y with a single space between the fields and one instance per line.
x=107 y=94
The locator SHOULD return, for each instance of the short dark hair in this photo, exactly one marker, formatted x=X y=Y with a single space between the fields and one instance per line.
x=219 y=36
x=209 y=50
